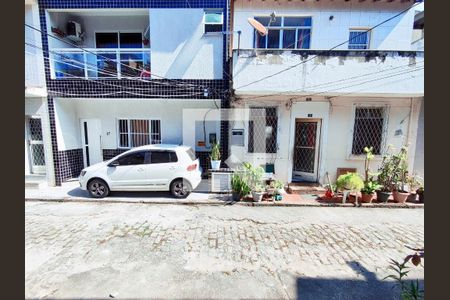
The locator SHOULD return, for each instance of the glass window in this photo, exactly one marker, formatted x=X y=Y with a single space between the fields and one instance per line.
x=358 y=39
x=106 y=40
x=135 y=158
x=289 y=39
x=213 y=21
x=273 y=39
x=130 y=40
x=160 y=157
x=284 y=33
x=191 y=154
x=262 y=130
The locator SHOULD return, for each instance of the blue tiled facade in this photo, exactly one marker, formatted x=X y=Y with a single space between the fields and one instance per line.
x=67 y=164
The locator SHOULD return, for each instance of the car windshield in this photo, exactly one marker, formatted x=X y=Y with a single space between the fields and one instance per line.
x=191 y=154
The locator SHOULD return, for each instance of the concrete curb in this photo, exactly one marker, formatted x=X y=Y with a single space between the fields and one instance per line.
x=220 y=203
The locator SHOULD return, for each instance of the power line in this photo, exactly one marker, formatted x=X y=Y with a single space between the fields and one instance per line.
x=334 y=81
x=368 y=81
x=109 y=84
x=338 y=45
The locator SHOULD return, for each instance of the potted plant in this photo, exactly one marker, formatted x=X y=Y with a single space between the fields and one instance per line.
x=350 y=182
x=254 y=178
x=420 y=192
x=368 y=191
x=385 y=177
x=239 y=187
x=400 y=175
x=370 y=185
x=215 y=156
x=414 y=183
x=258 y=192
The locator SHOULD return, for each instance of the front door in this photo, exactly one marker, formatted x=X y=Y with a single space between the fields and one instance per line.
x=91 y=139
x=35 y=142
x=306 y=150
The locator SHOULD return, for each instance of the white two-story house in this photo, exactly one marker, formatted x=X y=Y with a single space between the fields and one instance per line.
x=120 y=74
x=320 y=86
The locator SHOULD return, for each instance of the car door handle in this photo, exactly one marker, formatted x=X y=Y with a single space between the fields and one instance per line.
x=171 y=168
x=140 y=169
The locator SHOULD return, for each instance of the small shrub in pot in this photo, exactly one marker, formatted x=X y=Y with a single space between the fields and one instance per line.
x=215 y=156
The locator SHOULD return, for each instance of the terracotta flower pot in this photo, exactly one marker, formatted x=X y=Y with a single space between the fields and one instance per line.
x=367 y=198
x=400 y=197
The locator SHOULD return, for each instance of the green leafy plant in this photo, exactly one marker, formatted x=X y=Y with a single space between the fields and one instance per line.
x=414 y=182
x=239 y=186
x=400 y=172
x=370 y=187
x=387 y=172
x=350 y=181
x=411 y=291
x=215 y=151
x=253 y=176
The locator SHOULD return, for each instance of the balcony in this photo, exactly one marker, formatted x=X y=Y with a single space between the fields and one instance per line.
x=329 y=73
x=95 y=63
x=98 y=43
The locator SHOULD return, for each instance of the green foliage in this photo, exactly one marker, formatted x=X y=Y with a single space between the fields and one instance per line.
x=215 y=151
x=253 y=176
x=393 y=171
x=369 y=156
x=350 y=181
x=410 y=291
x=370 y=187
x=278 y=184
x=239 y=186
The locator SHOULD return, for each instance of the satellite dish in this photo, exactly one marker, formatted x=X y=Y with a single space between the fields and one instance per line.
x=258 y=26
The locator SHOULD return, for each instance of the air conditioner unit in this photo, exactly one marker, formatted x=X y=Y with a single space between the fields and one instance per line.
x=73 y=30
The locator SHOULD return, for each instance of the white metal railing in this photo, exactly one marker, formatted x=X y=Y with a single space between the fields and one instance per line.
x=95 y=63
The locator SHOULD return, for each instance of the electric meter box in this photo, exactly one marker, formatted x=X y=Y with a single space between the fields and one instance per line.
x=237 y=137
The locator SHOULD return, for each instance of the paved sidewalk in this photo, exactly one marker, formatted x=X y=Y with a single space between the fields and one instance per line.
x=136 y=251
x=71 y=192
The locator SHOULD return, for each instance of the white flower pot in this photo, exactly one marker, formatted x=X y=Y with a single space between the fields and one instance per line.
x=215 y=164
x=257 y=196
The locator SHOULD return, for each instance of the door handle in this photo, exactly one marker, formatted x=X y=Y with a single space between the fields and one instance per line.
x=171 y=168
x=140 y=169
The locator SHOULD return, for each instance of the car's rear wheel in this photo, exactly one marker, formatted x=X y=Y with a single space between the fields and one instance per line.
x=98 y=188
x=180 y=188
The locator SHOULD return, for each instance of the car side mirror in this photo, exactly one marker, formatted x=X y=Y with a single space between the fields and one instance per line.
x=113 y=164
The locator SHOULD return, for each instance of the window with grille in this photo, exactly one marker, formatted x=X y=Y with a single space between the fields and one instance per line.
x=139 y=132
x=284 y=33
x=368 y=129
x=358 y=39
x=262 y=130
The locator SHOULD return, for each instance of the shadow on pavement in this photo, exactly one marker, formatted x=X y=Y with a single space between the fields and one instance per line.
x=334 y=288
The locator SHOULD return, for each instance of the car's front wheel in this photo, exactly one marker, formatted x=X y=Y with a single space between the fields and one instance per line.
x=180 y=188
x=98 y=188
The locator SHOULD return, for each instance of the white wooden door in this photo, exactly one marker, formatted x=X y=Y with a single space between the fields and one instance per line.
x=91 y=140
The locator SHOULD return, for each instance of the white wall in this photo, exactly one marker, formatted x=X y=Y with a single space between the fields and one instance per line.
x=337 y=125
x=34 y=62
x=67 y=125
x=179 y=48
x=419 y=155
x=337 y=74
x=69 y=112
x=393 y=35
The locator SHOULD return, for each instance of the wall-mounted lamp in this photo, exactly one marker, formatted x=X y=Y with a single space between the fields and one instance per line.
x=331 y=18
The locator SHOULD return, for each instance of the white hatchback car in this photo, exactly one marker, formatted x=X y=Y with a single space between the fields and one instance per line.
x=147 y=168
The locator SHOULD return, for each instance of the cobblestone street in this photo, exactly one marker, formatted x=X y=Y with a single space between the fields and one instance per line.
x=83 y=250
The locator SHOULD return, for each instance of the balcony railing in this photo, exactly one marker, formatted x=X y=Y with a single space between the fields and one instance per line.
x=98 y=63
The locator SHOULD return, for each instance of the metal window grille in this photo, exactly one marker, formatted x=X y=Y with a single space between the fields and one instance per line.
x=358 y=39
x=368 y=129
x=262 y=130
x=138 y=132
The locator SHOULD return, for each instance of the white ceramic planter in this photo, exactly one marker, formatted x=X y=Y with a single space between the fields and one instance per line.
x=257 y=196
x=215 y=164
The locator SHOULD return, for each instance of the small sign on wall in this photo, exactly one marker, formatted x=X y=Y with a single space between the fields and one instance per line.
x=310 y=115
